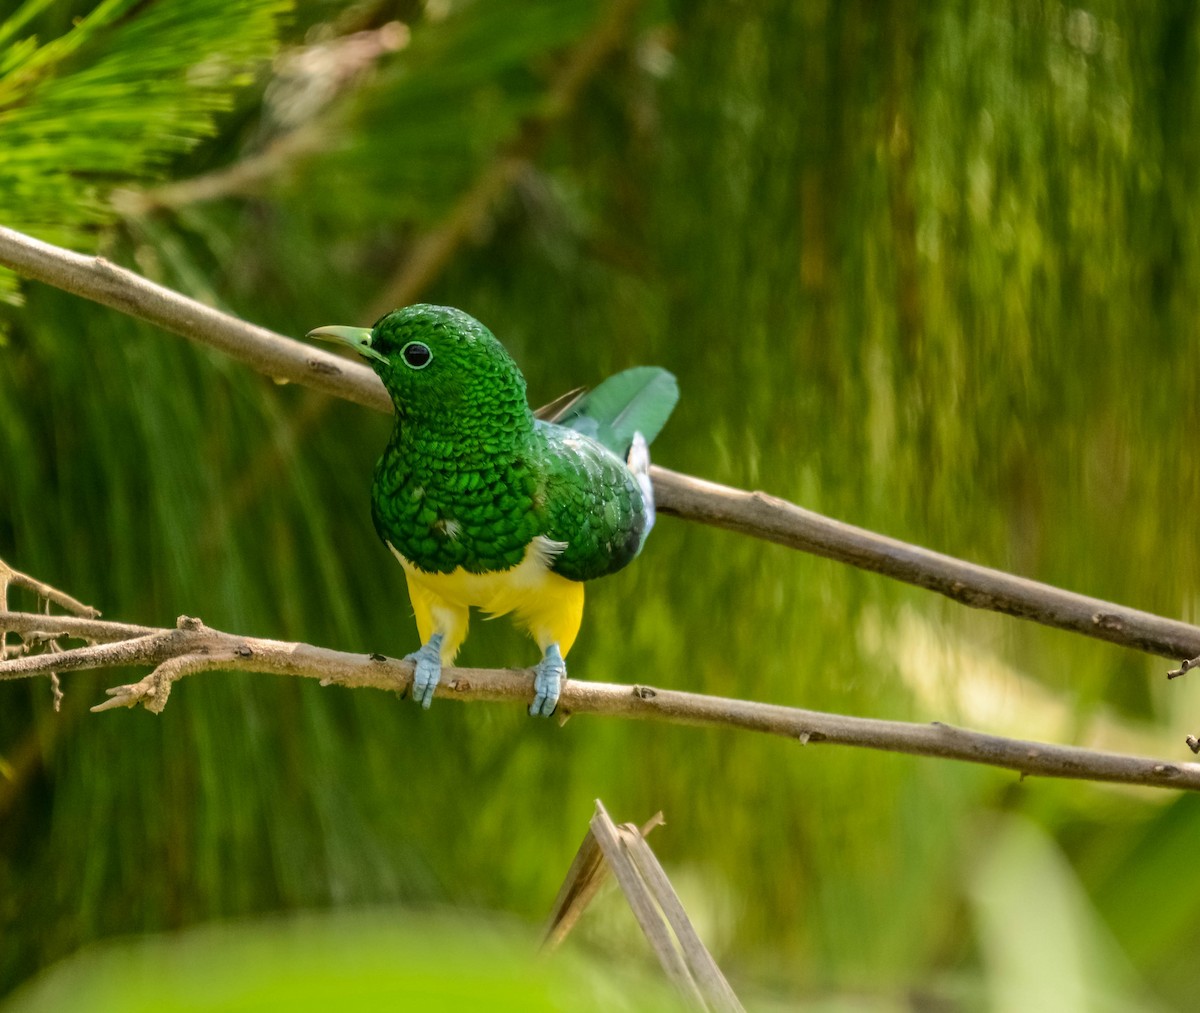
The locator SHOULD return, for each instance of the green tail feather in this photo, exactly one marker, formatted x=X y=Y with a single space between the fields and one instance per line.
x=637 y=400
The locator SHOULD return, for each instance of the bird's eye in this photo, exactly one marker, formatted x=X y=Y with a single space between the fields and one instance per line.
x=417 y=354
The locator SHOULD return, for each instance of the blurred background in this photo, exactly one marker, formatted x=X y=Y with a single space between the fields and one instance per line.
x=930 y=268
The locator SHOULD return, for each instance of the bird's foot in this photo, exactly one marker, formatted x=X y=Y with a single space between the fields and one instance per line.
x=427 y=670
x=547 y=682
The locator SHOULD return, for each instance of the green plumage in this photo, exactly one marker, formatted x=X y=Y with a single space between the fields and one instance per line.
x=470 y=478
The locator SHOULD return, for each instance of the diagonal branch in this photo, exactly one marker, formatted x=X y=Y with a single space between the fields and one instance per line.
x=776 y=520
x=192 y=647
x=262 y=350
x=752 y=513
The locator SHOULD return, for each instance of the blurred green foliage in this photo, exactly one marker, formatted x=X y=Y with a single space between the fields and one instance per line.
x=113 y=100
x=929 y=268
x=362 y=961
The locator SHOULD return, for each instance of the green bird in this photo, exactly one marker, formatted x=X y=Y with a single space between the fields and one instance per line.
x=487 y=505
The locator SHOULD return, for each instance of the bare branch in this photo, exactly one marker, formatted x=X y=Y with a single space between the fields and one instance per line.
x=193 y=647
x=776 y=520
x=14 y=578
x=752 y=513
x=44 y=627
x=154 y=689
x=271 y=354
x=146 y=650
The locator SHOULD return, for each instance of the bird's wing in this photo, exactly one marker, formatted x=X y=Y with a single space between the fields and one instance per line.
x=638 y=400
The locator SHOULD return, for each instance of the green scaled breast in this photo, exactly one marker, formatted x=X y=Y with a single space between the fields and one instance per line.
x=469 y=478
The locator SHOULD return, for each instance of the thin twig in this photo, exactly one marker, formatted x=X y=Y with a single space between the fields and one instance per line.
x=200 y=648
x=317 y=74
x=38 y=626
x=14 y=578
x=753 y=513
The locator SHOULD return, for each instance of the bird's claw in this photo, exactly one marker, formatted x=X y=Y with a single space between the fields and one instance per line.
x=547 y=682
x=427 y=670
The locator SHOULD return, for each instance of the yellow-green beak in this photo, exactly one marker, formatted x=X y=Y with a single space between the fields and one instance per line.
x=358 y=338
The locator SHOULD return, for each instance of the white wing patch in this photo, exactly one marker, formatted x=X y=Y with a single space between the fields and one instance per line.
x=545 y=551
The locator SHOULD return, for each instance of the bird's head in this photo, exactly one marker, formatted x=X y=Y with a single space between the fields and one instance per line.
x=436 y=361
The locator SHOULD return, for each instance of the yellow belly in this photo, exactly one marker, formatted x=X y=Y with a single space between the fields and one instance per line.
x=545 y=603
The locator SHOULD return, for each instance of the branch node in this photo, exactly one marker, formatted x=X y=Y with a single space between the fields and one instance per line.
x=645 y=692
x=1108 y=621
x=323 y=368
x=188 y=623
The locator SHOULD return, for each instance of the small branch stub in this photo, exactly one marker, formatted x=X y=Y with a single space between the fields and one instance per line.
x=1183 y=669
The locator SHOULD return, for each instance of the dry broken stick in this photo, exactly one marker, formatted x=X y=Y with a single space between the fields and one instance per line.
x=49 y=596
x=192 y=648
x=661 y=916
x=588 y=872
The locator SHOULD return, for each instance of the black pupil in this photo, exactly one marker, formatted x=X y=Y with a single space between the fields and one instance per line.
x=416 y=354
